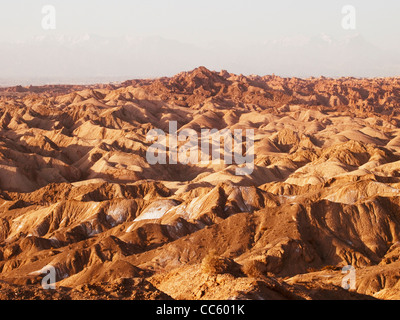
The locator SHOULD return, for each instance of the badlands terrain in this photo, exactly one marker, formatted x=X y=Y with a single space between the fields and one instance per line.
x=77 y=192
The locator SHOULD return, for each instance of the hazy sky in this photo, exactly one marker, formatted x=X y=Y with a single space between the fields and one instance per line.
x=205 y=20
x=207 y=23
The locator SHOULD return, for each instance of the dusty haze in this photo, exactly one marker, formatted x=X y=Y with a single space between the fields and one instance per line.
x=95 y=42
